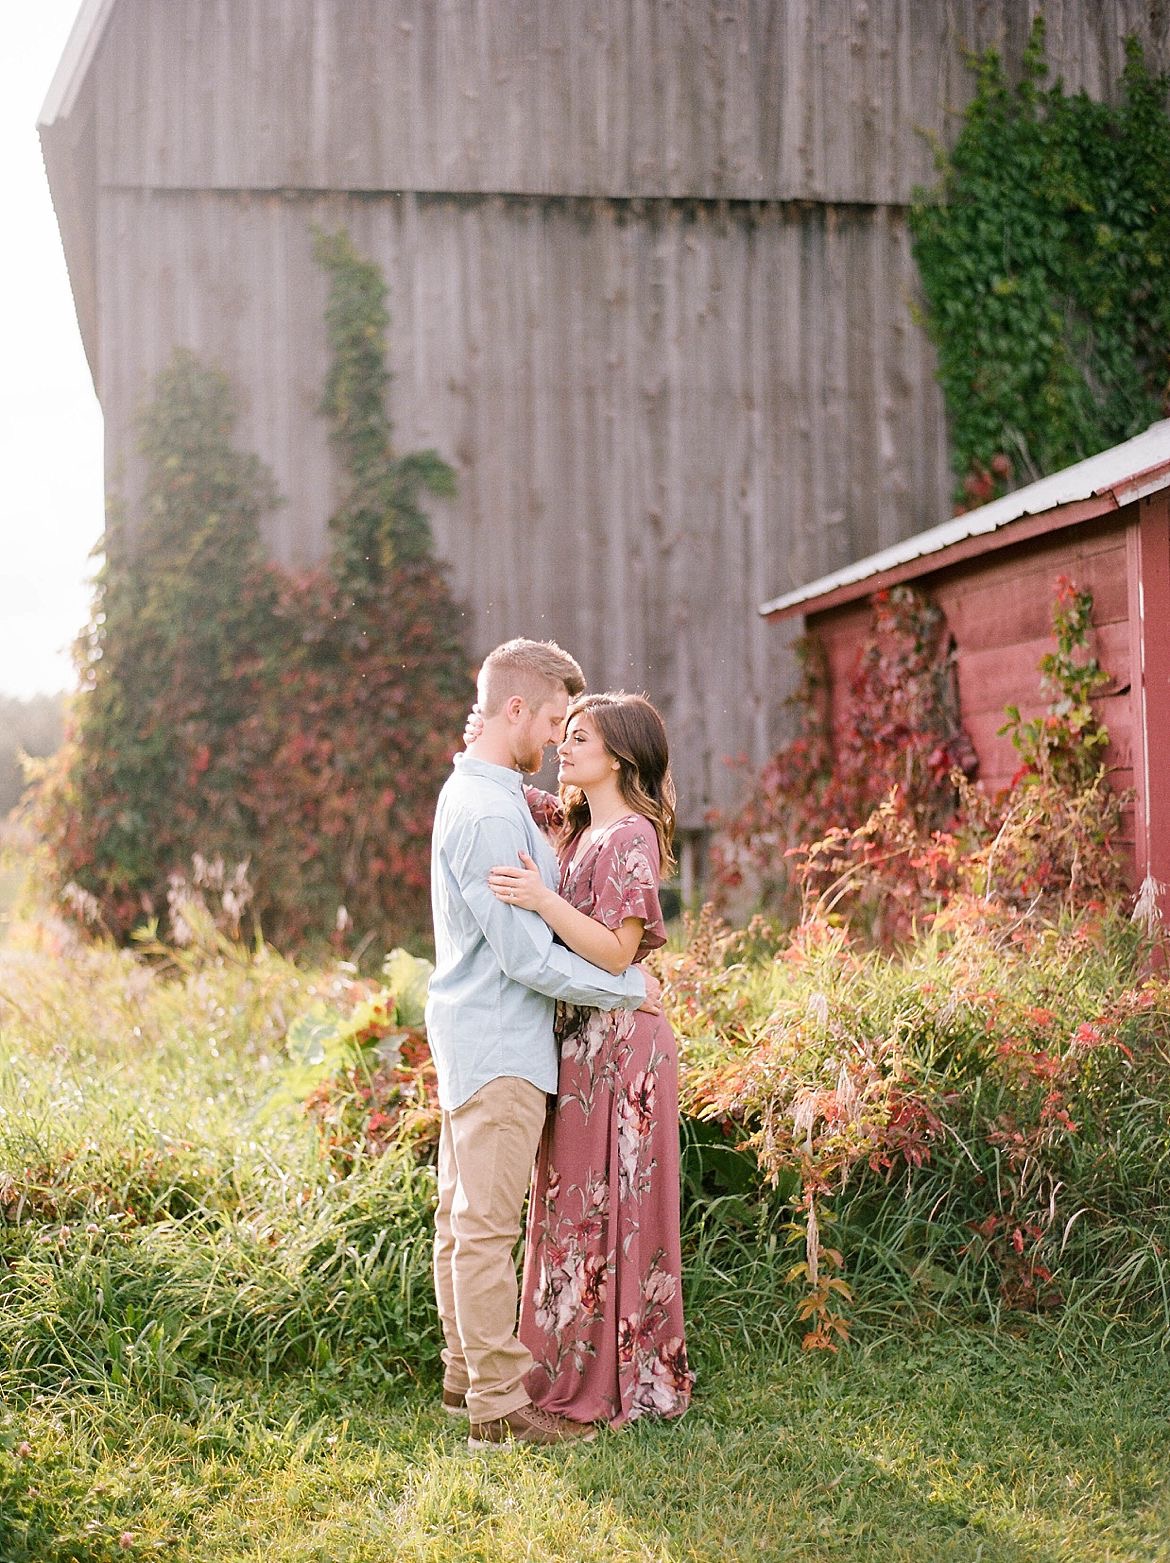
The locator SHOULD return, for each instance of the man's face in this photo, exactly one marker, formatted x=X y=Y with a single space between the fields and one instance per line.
x=537 y=730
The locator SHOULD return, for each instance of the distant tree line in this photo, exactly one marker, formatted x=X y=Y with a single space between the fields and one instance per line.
x=35 y=727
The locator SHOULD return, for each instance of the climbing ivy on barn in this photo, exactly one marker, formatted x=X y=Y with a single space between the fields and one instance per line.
x=301 y=724
x=899 y=730
x=1044 y=254
x=375 y=684
x=869 y=815
x=381 y=522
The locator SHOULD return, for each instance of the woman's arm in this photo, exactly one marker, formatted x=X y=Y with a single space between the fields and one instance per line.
x=610 y=948
x=545 y=808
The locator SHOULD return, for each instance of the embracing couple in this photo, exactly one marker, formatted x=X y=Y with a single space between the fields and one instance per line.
x=551 y=1049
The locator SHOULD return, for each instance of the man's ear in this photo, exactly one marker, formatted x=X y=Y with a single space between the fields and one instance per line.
x=514 y=707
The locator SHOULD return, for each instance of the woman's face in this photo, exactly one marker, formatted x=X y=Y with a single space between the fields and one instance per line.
x=584 y=760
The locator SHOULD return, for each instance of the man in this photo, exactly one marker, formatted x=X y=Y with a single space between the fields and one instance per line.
x=490 y=1025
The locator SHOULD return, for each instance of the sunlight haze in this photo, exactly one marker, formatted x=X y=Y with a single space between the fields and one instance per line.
x=50 y=422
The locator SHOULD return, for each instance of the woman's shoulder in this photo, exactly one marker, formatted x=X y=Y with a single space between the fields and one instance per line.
x=631 y=832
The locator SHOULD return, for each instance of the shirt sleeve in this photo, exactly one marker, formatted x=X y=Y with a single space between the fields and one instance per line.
x=545 y=808
x=522 y=942
x=625 y=883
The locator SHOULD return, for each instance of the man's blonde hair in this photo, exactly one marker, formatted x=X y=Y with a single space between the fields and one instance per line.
x=536 y=670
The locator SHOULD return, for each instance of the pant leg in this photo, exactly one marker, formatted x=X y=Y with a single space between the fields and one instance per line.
x=493 y=1139
x=454 y=1367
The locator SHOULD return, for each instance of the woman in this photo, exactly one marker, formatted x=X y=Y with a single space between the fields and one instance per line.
x=601 y=1310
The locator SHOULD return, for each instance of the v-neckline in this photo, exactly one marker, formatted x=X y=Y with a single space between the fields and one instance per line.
x=588 y=846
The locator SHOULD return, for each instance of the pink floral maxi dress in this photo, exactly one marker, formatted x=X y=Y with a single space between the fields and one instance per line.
x=601 y=1310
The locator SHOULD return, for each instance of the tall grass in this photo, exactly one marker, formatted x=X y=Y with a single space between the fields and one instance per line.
x=168 y=1214
x=986 y=1109
x=216 y=1346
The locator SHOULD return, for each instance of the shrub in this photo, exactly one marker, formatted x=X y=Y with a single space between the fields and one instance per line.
x=161 y=739
x=897 y=734
x=976 y=1120
x=377 y=1089
x=944 y=1061
x=877 y=822
x=293 y=729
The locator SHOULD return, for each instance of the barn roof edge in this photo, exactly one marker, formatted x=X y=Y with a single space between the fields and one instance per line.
x=1117 y=476
x=73 y=66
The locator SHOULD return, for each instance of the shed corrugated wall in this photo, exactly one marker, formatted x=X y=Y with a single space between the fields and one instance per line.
x=650 y=278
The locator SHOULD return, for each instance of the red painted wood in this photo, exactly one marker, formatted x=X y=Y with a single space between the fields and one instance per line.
x=1002 y=599
x=998 y=607
x=1000 y=675
x=1153 y=544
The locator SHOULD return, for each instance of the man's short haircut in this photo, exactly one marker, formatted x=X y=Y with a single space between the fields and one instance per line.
x=536 y=670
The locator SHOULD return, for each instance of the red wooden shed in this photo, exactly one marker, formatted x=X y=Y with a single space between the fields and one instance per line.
x=1105 y=524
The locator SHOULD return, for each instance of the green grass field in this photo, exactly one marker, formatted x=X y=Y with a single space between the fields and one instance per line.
x=213 y=1347
x=954 y=1447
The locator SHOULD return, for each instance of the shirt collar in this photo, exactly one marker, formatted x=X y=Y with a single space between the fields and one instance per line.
x=502 y=774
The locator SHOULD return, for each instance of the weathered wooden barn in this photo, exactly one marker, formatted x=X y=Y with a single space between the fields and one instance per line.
x=1103 y=524
x=649 y=270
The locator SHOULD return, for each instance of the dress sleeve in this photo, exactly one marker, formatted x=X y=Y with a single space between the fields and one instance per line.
x=545 y=808
x=625 y=883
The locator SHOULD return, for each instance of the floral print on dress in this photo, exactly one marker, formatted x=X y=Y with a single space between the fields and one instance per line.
x=601 y=1308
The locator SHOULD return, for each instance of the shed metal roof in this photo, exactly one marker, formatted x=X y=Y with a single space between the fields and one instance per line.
x=1113 y=478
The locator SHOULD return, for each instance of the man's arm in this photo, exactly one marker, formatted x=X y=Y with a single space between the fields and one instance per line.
x=522 y=942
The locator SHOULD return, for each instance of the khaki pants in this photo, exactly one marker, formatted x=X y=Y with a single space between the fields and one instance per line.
x=487 y=1148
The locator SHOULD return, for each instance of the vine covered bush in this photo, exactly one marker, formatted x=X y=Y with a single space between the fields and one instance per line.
x=163 y=735
x=374 y=684
x=899 y=731
x=1043 y=255
x=875 y=821
x=289 y=731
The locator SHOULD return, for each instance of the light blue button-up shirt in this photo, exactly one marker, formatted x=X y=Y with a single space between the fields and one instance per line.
x=498 y=969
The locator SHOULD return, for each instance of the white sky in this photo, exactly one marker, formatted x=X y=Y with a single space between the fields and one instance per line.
x=51 y=507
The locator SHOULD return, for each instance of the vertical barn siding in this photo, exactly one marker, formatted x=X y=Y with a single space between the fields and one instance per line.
x=831 y=100
x=650 y=278
x=657 y=417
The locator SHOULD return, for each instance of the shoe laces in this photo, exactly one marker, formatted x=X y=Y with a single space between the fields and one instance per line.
x=547 y=1420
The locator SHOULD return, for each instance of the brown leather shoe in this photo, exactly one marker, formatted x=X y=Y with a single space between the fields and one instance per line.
x=530 y=1425
x=454 y=1402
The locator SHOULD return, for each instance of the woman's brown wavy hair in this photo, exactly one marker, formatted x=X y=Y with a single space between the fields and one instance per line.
x=633 y=733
